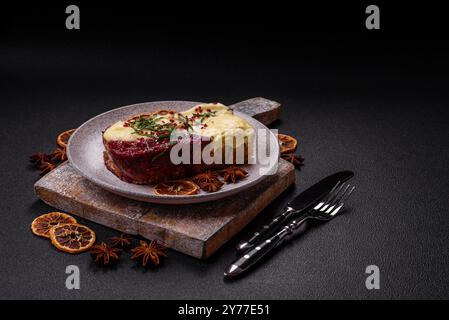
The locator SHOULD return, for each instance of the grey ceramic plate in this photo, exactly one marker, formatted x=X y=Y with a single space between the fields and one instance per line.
x=85 y=153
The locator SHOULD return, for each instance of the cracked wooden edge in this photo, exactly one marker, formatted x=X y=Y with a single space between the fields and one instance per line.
x=264 y=110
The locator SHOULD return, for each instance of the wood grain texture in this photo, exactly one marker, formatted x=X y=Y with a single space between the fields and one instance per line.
x=197 y=230
x=264 y=110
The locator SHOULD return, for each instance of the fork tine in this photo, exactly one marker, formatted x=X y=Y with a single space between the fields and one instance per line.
x=327 y=197
x=346 y=197
x=332 y=197
x=337 y=200
x=335 y=211
x=333 y=189
x=338 y=197
x=343 y=199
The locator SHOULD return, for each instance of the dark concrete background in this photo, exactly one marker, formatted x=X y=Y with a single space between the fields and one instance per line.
x=377 y=105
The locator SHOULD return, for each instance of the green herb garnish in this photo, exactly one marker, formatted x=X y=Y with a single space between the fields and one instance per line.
x=185 y=121
x=142 y=124
x=205 y=115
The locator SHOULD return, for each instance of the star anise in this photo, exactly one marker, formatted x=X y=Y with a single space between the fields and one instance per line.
x=104 y=254
x=297 y=161
x=123 y=241
x=148 y=251
x=208 y=181
x=39 y=158
x=233 y=174
x=59 y=155
x=45 y=167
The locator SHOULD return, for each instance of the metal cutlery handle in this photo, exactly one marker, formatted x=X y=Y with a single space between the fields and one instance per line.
x=293 y=228
x=272 y=226
x=251 y=257
x=261 y=249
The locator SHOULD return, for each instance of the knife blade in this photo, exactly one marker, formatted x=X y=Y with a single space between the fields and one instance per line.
x=299 y=205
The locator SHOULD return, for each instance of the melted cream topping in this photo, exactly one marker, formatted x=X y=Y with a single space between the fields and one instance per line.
x=118 y=132
x=220 y=124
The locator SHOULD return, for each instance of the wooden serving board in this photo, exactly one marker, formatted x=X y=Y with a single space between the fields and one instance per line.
x=197 y=229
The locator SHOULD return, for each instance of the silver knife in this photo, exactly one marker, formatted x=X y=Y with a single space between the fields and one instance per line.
x=299 y=205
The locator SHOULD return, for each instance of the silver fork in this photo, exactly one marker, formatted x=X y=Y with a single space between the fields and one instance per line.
x=324 y=211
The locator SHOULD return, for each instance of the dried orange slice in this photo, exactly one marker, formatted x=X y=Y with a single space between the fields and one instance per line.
x=287 y=144
x=41 y=225
x=176 y=188
x=63 y=138
x=72 y=238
